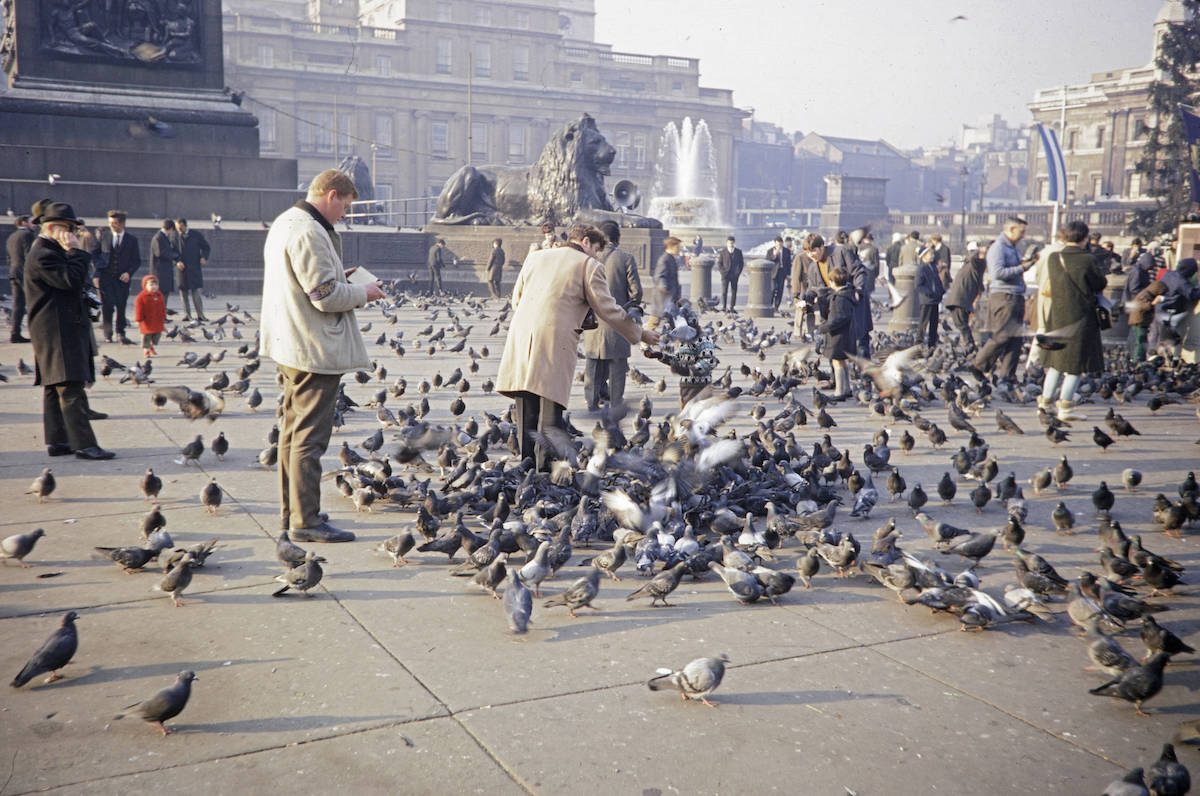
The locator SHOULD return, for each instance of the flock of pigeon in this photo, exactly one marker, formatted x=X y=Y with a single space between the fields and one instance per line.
x=686 y=495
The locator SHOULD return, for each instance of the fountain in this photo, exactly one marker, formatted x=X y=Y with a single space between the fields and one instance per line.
x=685 y=185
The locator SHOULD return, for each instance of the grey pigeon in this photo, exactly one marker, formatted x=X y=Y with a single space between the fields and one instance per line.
x=518 y=603
x=210 y=496
x=153 y=521
x=579 y=594
x=397 y=546
x=166 y=704
x=1132 y=784
x=192 y=451
x=20 y=545
x=199 y=553
x=536 y=570
x=129 y=559
x=491 y=576
x=303 y=577
x=1169 y=777
x=288 y=552
x=177 y=580
x=661 y=585
x=151 y=484
x=52 y=655
x=696 y=680
x=742 y=585
x=43 y=485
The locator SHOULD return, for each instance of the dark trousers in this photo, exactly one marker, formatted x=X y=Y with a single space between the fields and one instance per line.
x=494 y=284
x=64 y=416
x=18 y=314
x=114 y=295
x=435 y=279
x=728 y=289
x=777 y=287
x=960 y=317
x=604 y=380
x=304 y=432
x=535 y=413
x=927 y=328
x=1006 y=319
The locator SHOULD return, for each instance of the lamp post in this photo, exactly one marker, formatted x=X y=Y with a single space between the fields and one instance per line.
x=963 y=173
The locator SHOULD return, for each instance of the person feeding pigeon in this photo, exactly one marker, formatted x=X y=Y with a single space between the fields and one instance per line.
x=694 y=359
x=552 y=295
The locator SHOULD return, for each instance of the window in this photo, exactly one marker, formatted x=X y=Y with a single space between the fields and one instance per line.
x=439 y=138
x=383 y=65
x=443 y=11
x=1072 y=139
x=1097 y=186
x=442 y=62
x=384 y=135
x=483 y=15
x=483 y=59
x=1100 y=137
x=1135 y=185
x=639 y=150
x=315 y=133
x=520 y=59
x=517 y=132
x=1137 y=129
x=343 y=134
x=265 y=55
x=622 y=146
x=677 y=86
x=481 y=133
x=576 y=76
x=1043 y=189
x=383 y=193
x=267 y=137
x=521 y=20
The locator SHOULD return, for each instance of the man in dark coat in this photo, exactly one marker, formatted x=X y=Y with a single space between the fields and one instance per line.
x=163 y=257
x=892 y=258
x=437 y=261
x=964 y=290
x=941 y=258
x=781 y=255
x=17 y=247
x=839 y=329
x=120 y=259
x=929 y=291
x=607 y=352
x=730 y=263
x=496 y=267
x=1006 y=303
x=193 y=253
x=666 y=277
x=846 y=256
x=56 y=272
x=1140 y=275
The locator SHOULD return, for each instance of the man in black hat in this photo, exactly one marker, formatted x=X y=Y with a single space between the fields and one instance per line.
x=17 y=246
x=56 y=272
x=120 y=258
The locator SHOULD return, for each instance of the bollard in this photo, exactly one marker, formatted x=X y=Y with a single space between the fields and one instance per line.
x=702 y=267
x=906 y=316
x=1113 y=291
x=760 y=272
x=1190 y=350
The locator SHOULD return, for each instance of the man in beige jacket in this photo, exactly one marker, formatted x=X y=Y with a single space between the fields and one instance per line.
x=552 y=295
x=309 y=329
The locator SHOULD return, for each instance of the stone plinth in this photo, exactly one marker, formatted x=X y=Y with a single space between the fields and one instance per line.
x=759 y=272
x=907 y=315
x=702 y=268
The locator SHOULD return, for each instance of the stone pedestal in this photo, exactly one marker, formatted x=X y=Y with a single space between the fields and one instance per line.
x=906 y=316
x=702 y=268
x=1113 y=291
x=759 y=273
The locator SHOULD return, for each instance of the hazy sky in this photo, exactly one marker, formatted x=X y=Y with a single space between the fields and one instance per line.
x=884 y=68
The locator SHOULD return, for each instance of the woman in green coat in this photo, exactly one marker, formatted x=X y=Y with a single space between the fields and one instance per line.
x=1075 y=281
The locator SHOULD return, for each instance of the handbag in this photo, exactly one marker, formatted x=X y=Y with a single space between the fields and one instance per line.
x=1103 y=313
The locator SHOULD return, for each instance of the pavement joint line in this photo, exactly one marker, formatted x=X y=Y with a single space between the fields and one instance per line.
x=58 y=611
x=999 y=709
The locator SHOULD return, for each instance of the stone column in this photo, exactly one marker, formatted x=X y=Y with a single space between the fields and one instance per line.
x=1113 y=291
x=759 y=272
x=906 y=316
x=702 y=278
x=1190 y=350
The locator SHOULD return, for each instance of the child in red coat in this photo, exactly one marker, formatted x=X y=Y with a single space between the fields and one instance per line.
x=150 y=312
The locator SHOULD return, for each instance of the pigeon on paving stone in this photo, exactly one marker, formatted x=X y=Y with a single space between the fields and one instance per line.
x=177 y=580
x=1169 y=777
x=1137 y=683
x=661 y=585
x=166 y=704
x=52 y=655
x=191 y=452
x=1158 y=639
x=20 y=545
x=151 y=484
x=696 y=680
x=518 y=603
x=490 y=577
x=537 y=569
x=210 y=496
x=1132 y=784
x=43 y=485
x=153 y=521
x=303 y=577
x=288 y=552
x=579 y=594
x=397 y=546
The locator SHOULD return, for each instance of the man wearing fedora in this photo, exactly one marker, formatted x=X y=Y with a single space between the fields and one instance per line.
x=56 y=273
x=120 y=258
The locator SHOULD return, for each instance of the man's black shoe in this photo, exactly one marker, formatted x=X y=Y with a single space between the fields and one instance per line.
x=977 y=373
x=94 y=454
x=18 y=338
x=59 y=449
x=125 y=340
x=92 y=414
x=321 y=533
x=284 y=523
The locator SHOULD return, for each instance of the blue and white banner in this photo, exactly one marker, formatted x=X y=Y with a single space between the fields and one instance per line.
x=1056 y=167
x=1189 y=117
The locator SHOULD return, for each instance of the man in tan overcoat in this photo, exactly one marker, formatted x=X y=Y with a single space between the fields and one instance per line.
x=606 y=350
x=552 y=295
x=309 y=329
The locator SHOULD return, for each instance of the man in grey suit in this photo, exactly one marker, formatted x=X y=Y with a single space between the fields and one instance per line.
x=730 y=263
x=607 y=351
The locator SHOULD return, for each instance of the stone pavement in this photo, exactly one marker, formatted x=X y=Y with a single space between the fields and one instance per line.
x=406 y=680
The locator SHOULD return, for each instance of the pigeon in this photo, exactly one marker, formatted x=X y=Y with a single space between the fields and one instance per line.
x=20 y=545
x=661 y=585
x=518 y=603
x=151 y=484
x=220 y=446
x=536 y=570
x=1158 y=639
x=1137 y=683
x=43 y=485
x=210 y=496
x=579 y=594
x=166 y=704
x=397 y=546
x=1132 y=784
x=807 y=566
x=1131 y=478
x=53 y=655
x=742 y=585
x=609 y=561
x=129 y=559
x=1100 y=438
x=695 y=681
x=490 y=577
x=288 y=552
x=192 y=451
x=1169 y=777
x=178 y=579
x=302 y=577
x=1105 y=652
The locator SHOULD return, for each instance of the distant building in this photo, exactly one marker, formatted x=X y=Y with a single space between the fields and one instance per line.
x=417 y=88
x=1107 y=122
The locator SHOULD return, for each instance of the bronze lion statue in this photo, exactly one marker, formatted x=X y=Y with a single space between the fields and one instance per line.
x=566 y=184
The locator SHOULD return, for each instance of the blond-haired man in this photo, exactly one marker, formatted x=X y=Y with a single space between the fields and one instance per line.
x=309 y=329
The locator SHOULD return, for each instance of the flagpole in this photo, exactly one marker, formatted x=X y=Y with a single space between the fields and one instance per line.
x=1062 y=133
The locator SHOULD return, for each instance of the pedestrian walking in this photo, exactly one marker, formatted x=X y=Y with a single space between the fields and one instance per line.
x=964 y=290
x=606 y=350
x=495 y=267
x=437 y=261
x=194 y=251
x=120 y=258
x=1006 y=303
x=164 y=257
x=730 y=263
x=150 y=314
x=929 y=297
x=17 y=248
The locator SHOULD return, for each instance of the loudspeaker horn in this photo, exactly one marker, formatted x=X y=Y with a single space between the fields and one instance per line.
x=626 y=195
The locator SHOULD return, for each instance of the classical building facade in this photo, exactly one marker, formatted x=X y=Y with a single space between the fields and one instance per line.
x=1107 y=120
x=417 y=88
